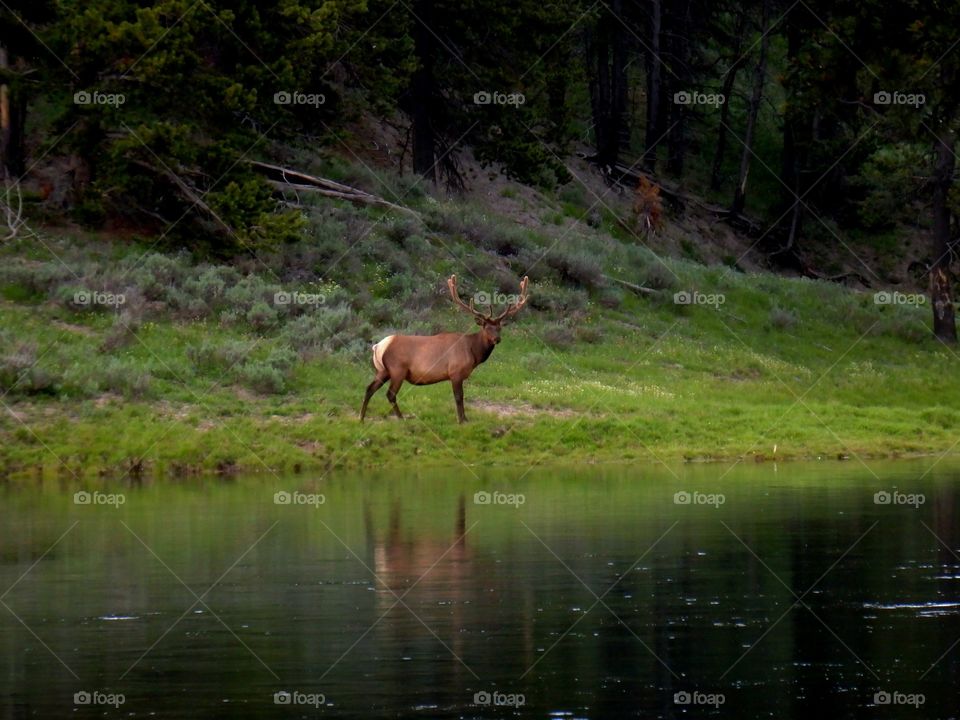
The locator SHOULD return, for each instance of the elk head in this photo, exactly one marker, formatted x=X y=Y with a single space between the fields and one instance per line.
x=488 y=322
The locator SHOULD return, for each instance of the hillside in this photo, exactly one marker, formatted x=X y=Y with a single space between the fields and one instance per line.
x=204 y=366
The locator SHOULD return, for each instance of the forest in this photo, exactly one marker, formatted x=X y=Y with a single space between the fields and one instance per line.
x=844 y=112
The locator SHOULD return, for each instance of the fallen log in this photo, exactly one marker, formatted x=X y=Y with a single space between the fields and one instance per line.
x=640 y=289
x=283 y=178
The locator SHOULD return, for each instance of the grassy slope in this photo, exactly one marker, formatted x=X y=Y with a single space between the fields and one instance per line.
x=812 y=368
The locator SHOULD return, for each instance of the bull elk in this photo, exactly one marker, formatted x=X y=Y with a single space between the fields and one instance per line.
x=429 y=359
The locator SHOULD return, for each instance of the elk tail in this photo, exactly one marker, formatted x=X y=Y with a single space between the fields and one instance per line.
x=378 y=350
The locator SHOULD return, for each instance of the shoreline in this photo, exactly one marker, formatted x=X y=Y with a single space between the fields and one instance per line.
x=185 y=469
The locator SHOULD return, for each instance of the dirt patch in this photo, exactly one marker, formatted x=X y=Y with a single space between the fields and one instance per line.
x=77 y=329
x=293 y=419
x=520 y=410
x=107 y=399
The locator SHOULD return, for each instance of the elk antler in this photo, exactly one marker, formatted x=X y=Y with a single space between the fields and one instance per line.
x=515 y=307
x=452 y=284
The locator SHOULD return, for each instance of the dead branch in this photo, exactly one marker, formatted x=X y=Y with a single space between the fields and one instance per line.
x=640 y=289
x=11 y=209
x=287 y=179
x=188 y=193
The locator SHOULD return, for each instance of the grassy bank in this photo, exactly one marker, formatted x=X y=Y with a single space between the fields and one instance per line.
x=202 y=368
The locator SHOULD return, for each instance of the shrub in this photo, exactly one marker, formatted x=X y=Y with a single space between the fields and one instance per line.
x=658 y=276
x=611 y=297
x=262 y=377
x=907 y=326
x=572 y=193
x=781 y=319
x=211 y=358
x=579 y=266
x=535 y=362
x=398 y=230
x=557 y=300
x=324 y=331
x=115 y=376
x=261 y=316
x=589 y=334
x=19 y=373
x=124 y=328
x=155 y=274
x=269 y=376
x=559 y=336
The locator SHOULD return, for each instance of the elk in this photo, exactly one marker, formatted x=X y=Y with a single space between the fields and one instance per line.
x=429 y=359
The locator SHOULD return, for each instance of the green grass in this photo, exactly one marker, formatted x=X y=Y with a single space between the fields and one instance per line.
x=587 y=373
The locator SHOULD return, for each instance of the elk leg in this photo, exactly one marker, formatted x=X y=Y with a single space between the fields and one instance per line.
x=458 y=396
x=371 y=389
x=392 y=396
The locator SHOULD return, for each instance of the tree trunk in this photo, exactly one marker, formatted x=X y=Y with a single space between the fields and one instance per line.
x=557 y=83
x=941 y=296
x=422 y=97
x=677 y=141
x=729 y=81
x=791 y=158
x=11 y=124
x=620 y=82
x=654 y=88
x=606 y=48
x=759 y=76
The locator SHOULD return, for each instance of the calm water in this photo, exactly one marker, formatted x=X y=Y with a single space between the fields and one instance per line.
x=775 y=592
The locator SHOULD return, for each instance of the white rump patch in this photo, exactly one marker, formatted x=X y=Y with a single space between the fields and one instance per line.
x=379 y=349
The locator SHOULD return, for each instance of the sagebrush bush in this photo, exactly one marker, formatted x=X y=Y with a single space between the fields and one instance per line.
x=590 y=334
x=19 y=373
x=156 y=273
x=261 y=316
x=559 y=336
x=579 y=266
x=781 y=319
x=658 y=276
x=905 y=325
x=125 y=324
x=263 y=377
x=118 y=377
x=558 y=300
x=216 y=358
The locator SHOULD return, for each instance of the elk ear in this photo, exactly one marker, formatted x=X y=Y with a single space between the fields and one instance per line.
x=479 y=320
